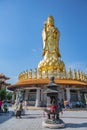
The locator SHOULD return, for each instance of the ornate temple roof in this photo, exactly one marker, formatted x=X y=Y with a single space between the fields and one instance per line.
x=30 y=82
x=2 y=76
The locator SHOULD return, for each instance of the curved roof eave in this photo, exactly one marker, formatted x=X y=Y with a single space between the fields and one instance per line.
x=29 y=82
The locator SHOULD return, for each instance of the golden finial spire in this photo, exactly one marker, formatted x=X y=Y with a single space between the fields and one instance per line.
x=30 y=74
x=78 y=75
x=69 y=73
x=26 y=74
x=35 y=73
x=74 y=74
x=40 y=73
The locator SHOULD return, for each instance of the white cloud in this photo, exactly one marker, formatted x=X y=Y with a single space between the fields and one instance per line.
x=13 y=79
x=34 y=50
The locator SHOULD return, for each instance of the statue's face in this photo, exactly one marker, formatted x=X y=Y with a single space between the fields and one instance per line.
x=50 y=21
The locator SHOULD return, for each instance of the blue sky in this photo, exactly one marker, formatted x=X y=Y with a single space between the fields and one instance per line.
x=21 y=24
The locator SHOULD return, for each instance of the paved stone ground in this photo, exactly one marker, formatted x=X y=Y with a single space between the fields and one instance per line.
x=74 y=120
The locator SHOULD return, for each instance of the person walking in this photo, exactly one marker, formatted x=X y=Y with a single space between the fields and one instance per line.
x=19 y=109
x=86 y=102
x=0 y=105
x=66 y=104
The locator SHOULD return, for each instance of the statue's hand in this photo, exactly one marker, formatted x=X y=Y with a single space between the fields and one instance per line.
x=54 y=35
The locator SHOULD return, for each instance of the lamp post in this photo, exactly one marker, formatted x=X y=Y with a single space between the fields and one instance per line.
x=53 y=106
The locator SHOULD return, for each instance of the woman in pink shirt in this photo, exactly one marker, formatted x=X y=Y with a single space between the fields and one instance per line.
x=0 y=104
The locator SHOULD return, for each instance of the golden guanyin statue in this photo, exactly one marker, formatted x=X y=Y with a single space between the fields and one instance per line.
x=50 y=36
x=51 y=52
x=51 y=64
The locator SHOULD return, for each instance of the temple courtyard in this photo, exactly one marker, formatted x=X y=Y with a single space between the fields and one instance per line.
x=32 y=120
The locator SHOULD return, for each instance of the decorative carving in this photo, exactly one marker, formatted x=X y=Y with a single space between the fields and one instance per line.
x=64 y=73
x=40 y=73
x=58 y=74
x=69 y=73
x=26 y=74
x=46 y=74
x=78 y=75
x=35 y=73
x=74 y=74
x=30 y=74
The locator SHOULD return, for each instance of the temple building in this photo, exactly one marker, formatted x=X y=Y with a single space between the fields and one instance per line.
x=32 y=84
x=3 y=83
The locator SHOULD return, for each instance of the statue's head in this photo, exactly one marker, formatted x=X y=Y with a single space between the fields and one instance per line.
x=50 y=20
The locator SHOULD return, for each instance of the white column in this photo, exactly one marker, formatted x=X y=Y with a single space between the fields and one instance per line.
x=37 y=97
x=42 y=97
x=68 y=94
x=45 y=99
x=26 y=94
x=78 y=93
x=13 y=97
x=17 y=98
x=62 y=93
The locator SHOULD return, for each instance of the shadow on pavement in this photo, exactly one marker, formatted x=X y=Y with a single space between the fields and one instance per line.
x=70 y=125
x=31 y=116
x=5 y=116
x=74 y=117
